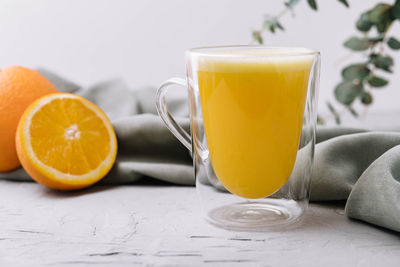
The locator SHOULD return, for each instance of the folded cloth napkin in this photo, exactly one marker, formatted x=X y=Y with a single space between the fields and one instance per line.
x=358 y=165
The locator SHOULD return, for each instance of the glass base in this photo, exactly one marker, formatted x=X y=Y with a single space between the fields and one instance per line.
x=268 y=214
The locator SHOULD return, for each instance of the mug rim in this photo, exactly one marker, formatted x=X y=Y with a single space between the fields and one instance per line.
x=211 y=51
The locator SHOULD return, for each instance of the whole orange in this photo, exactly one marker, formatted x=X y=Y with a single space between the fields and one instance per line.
x=19 y=87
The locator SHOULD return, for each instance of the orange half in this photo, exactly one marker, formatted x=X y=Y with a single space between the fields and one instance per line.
x=65 y=142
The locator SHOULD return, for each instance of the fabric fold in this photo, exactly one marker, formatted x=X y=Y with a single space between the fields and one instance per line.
x=340 y=161
x=375 y=197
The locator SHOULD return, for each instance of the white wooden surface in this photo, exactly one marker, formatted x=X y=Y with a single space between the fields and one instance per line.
x=161 y=226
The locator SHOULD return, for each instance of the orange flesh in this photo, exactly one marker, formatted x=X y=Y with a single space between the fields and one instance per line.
x=77 y=141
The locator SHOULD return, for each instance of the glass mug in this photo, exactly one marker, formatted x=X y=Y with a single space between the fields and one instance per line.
x=252 y=118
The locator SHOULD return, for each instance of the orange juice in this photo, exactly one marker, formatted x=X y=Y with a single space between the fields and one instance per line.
x=253 y=110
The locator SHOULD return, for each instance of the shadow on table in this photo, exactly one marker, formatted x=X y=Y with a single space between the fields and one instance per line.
x=98 y=188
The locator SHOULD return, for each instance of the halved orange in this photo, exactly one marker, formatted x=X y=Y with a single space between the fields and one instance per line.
x=65 y=142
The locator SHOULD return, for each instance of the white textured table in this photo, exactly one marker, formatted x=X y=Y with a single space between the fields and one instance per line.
x=161 y=225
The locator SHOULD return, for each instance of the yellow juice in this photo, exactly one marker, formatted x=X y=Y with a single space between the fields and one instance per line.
x=253 y=112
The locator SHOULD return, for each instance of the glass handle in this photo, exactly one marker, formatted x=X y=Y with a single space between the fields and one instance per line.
x=167 y=117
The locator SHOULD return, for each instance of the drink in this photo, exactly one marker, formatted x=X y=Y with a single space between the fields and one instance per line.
x=253 y=109
x=249 y=106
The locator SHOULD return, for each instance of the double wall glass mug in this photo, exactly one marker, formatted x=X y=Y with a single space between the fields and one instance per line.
x=253 y=118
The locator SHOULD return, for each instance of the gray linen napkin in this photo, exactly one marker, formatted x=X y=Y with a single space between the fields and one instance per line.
x=362 y=167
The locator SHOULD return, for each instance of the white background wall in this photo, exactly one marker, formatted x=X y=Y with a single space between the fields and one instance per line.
x=143 y=41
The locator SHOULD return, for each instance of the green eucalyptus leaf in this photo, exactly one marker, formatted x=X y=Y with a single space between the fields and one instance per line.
x=312 y=4
x=381 y=62
x=346 y=92
x=357 y=44
x=257 y=36
x=380 y=13
x=363 y=24
x=366 y=98
x=396 y=10
x=344 y=2
x=271 y=29
x=272 y=23
x=353 y=111
x=373 y=56
x=268 y=22
x=334 y=112
x=292 y=3
x=376 y=81
x=355 y=71
x=381 y=16
x=383 y=26
x=393 y=43
x=278 y=25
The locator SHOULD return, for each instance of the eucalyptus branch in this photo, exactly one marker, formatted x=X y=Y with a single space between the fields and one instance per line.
x=272 y=23
x=359 y=80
